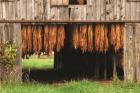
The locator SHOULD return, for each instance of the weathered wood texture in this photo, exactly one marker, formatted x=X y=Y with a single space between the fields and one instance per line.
x=94 y=10
x=11 y=32
x=132 y=52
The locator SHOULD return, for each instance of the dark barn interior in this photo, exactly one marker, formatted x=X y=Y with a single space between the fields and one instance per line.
x=95 y=65
x=71 y=63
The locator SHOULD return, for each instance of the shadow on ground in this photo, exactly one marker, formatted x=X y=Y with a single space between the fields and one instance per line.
x=55 y=76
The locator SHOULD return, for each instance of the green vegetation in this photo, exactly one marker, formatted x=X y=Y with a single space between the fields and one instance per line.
x=8 y=52
x=38 y=63
x=83 y=86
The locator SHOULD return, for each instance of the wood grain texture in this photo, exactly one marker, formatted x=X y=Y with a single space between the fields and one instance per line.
x=97 y=10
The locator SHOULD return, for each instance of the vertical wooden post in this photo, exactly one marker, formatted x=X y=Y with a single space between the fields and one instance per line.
x=17 y=71
x=130 y=53
x=114 y=66
x=97 y=67
x=138 y=51
x=105 y=67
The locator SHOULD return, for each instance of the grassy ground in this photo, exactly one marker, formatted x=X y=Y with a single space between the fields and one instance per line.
x=37 y=63
x=83 y=86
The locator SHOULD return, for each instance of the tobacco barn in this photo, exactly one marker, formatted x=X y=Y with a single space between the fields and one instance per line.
x=100 y=37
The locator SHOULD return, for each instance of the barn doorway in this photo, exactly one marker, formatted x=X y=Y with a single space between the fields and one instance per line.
x=70 y=63
x=95 y=65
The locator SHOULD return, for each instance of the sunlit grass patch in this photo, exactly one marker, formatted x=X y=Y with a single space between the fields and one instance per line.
x=81 y=86
x=38 y=63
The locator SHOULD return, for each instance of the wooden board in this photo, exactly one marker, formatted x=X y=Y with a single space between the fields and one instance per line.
x=95 y=9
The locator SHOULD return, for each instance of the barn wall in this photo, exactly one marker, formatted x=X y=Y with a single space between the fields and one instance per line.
x=94 y=10
x=11 y=32
x=54 y=10
x=132 y=52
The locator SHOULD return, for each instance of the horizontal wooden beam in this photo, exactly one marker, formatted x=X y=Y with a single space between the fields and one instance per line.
x=67 y=21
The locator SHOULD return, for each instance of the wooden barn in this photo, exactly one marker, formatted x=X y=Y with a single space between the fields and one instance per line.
x=97 y=36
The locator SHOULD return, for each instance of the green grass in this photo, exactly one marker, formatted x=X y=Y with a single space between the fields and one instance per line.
x=38 y=63
x=83 y=86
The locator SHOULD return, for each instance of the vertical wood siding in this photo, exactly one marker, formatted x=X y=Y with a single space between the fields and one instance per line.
x=94 y=10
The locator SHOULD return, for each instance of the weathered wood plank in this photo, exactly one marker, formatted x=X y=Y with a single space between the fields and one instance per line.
x=17 y=70
x=129 y=53
x=54 y=2
x=90 y=2
x=98 y=10
x=103 y=9
x=122 y=10
x=83 y=13
x=118 y=6
x=47 y=9
x=91 y=11
x=39 y=9
x=54 y=13
x=22 y=9
x=65 y=2
x=63 y=13
x=127 y=11
x=137 y=54
x=75 y=13
x=133 y=10
x=59 y=2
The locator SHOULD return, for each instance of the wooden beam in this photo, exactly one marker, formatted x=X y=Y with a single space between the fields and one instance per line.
x=67 y=21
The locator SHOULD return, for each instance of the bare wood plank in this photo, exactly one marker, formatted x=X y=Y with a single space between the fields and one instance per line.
x=59 y=2
x=138 y=11
x=129 y=53
x=133 y=10
x=1 y=11
x=127 y=11
x=54 y=13
x=98 y=10
x=83 y=13
x=39 y=9
x=47 y=9
x=118 y=5
x=22 y=9
x=110 y=9
x=115 y=10
x=63 y=13
x=5 y=10
x=30 y=9
x=122 y=9
x=137 y=58
x=65 y=2
x=17 y=10
x=17 y=71
x=12 y=11
x=103 y=9
x=75 y=13
x=91 y=11
x=54 y=2
x=90 y=2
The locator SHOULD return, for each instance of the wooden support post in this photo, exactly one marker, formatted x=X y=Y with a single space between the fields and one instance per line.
x=105 y=67
x=57 y=60
x=114 y=67
x=97 y=68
